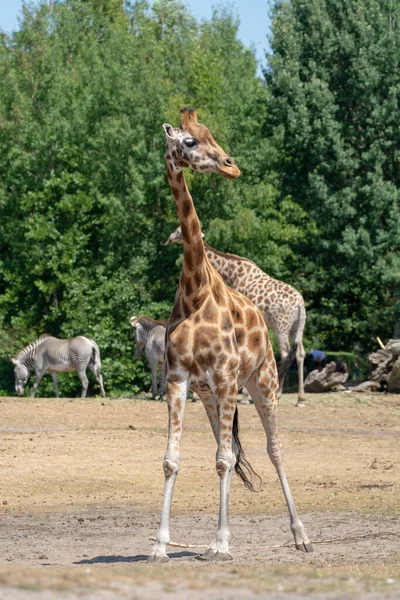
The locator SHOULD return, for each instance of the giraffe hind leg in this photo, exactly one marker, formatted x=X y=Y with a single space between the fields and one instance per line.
x=263 y=390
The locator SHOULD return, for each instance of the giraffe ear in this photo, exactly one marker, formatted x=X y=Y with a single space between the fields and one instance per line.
x=170 y=132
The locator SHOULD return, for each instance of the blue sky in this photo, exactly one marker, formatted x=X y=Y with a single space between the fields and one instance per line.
x=253 y=14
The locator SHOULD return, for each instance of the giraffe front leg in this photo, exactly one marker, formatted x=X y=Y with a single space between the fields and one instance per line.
x=176 y=396
x=265 y=399
x=225 y=462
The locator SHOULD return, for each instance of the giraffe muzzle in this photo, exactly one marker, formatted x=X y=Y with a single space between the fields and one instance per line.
x=228 y=169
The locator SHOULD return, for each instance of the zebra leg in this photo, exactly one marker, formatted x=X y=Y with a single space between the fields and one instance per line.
x=97 y=373
x=84 y=382
x=162 y=377
x=55 y=382
x=99 y=378
x=38 y=379
x=153 y=365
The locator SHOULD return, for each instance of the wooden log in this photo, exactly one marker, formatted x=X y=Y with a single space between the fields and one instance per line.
x=325 y=380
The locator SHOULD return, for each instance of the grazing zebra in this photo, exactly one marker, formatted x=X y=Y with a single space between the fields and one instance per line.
x=150 y=337
x=49 y=353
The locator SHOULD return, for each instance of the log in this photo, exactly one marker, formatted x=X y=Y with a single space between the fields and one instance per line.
x=325 y=380
x=387 y=365
x=393 y=380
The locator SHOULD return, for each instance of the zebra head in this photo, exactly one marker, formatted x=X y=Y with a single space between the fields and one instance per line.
x=21 y=373
x=140 y=336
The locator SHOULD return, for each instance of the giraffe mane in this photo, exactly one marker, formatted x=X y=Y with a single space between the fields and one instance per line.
x=229 y=255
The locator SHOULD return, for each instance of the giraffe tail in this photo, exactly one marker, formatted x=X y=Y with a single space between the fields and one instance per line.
x=242 y=467
x=286 y=363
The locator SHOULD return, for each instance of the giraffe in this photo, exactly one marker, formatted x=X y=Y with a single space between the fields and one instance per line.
x=216 y=339
x=281 y=304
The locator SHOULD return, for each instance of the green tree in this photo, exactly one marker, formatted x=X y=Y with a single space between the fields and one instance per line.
x=335 y=81
x=84 y=200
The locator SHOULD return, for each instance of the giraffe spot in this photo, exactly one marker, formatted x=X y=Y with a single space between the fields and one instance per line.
x=227 y=343
x=237 y=316
x=210 y=312
x=254 y=341
x=188 y=287
x=198 y=278
x=186 y=208
x=185 y=232
x=251 y=319
x=188 y=259
x=217 y=293
x=195 y=227
x=218 y=378
x=179 y=177
x=186 y=309
x=171 y=359
x=226 y=415
x=200 y=253
x=175 y=191
x=213 y=156
x=221 y=361
x=227 y=323
x=233 y=364
x=183 y=163
x=217 y=347
x=239 y=334
x=203 y=337
x=197 y=319
x=197 y=302
x=194 y=370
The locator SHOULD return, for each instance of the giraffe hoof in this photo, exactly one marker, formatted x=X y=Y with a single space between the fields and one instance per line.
x=305 y=547
x=157 y=558
x=300 y=403
x=214 y=556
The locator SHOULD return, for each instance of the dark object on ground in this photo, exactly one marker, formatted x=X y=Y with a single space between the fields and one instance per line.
x=325 y=380
x=387 y=361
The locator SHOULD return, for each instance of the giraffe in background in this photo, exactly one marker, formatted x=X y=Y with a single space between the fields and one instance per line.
x=216 y=338
x=281 y=304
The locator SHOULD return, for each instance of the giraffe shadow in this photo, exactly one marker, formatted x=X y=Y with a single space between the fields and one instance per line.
x=115 y=558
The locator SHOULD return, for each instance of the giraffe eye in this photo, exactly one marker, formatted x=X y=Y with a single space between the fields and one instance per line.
x=190 y=142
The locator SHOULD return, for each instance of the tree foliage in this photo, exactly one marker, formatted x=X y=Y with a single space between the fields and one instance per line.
x=335 y=81
x=85 y=205
x=84 y=199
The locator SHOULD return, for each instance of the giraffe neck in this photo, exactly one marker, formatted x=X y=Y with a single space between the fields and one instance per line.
x=194 y=270
x=233 y=269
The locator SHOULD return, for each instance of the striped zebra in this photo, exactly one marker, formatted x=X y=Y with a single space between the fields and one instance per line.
x=49 y=353
x=150 y=337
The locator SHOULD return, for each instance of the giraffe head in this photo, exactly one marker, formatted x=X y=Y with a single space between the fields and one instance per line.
x=192 y=145
x=176 y=237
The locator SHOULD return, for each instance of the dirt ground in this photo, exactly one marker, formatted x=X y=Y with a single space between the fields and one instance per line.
x=81 y=487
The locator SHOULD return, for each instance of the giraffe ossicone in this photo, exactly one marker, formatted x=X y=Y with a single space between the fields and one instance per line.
x=216 y=341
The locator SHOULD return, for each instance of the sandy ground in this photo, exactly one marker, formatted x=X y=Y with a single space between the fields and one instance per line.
x=81 y=486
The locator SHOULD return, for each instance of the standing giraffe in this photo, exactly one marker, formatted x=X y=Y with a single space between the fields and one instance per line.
x=216 y=338
x=282 y=306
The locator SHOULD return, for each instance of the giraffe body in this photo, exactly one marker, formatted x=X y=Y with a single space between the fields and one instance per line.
x=281 y=304
x=216 y=339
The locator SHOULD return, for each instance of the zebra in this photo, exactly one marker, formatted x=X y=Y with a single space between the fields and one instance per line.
x=49 y=353
x=150 y=337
